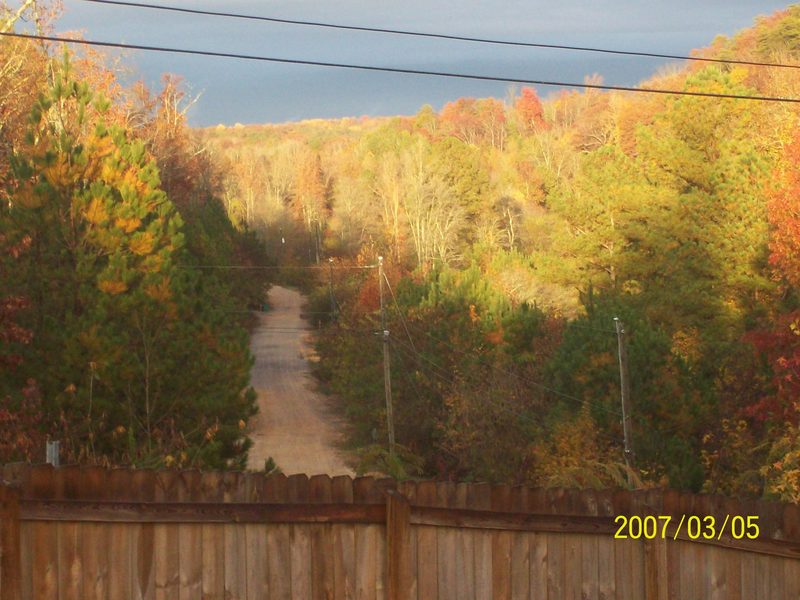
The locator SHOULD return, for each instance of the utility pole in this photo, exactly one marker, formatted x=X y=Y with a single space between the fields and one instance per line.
x=387 y=375
x=330 y=288
x=625 y=394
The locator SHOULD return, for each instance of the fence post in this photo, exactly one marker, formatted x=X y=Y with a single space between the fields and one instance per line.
x=398 y=546
x=10 y=564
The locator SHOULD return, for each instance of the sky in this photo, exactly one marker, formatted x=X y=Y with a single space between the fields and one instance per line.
x=231 y=91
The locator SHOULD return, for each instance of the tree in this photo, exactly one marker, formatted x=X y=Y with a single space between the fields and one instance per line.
x=310 y=198
x=460 y=119
x=529 y=110
x=111 y=313
x=671 y=410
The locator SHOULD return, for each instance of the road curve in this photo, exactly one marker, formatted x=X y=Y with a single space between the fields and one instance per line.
x=294 y=424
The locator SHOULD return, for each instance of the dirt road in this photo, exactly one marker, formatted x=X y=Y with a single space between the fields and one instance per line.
x=294 y=425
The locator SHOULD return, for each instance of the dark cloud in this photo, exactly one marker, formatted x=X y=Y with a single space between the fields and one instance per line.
x=234 y=91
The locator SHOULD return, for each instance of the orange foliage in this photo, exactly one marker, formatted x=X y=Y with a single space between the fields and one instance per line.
x=529 y=110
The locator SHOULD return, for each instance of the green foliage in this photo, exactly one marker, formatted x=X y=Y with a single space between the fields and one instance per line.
x=401 y=465
x=669 y=409
x=144 y=363
x=781 y=38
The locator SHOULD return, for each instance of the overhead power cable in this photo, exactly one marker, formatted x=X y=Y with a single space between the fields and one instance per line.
x=441 y=36
x=450 y=75
x=274 y=267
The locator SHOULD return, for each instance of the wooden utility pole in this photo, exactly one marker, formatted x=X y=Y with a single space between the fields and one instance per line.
x=387 y=374
x=625 y=394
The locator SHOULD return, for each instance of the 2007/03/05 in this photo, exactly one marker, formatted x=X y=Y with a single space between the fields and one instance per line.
x=651 y=527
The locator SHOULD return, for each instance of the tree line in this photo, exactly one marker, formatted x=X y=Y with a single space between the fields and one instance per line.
x=112 y=340
x=515 y=230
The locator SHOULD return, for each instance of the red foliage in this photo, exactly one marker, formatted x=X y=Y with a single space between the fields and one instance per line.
x=10 y=331
x=461 y=120
x=529 y=110
x=781 y=345
x=21 y=431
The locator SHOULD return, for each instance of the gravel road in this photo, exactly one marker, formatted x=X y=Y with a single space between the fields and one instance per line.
x=294 y=424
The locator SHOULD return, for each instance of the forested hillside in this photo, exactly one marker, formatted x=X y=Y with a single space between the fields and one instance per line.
x=515 y=230
x=115 y=336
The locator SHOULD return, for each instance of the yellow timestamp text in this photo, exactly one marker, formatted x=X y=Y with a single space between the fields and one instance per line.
x=693 y=527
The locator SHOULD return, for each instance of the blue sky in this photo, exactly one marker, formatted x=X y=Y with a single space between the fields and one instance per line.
x=247 y=92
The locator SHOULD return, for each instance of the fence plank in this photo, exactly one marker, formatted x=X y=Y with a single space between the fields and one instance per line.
x=256 y=574
x=95 y=559
x=26 y=559
x=380 y=561
x=465 y=563
x=428 y=563
x=301 y=560
x=119 y=566
x=398 y=547
x=606 y=580
x=322 y=568
x=482 y=541
x=344 y=567
x=446 y=547
x=520 y=565
x=572 y=567
x=748 y=567
x=70 y=566
x=791 y=577
x=44 y=563
x=733 y=574
x=777 y=584
x=10 y=545
x=555 y=567
x=589 y=566
x=501 y=564
x=167 y=556
x=142 y=554
x=190 y=562
x=638 y=568
x=213 y=560
x=366 y=563
x=235 y=561
x=279 y=561
x=344 y=543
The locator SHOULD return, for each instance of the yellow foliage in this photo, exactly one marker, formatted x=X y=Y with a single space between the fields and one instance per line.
x=60 y=174
x=111 y=286
x=128 y=225
x=26 y=197
x=161 y=291
x=96 y=213
x=142 y=244
x=131 y=178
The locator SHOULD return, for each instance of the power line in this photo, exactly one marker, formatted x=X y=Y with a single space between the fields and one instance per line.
x=441 y=36
x=445 y=74
x=399 y=312
x=271 y=267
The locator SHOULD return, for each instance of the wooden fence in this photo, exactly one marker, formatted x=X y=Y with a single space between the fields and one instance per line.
x=86 y=533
